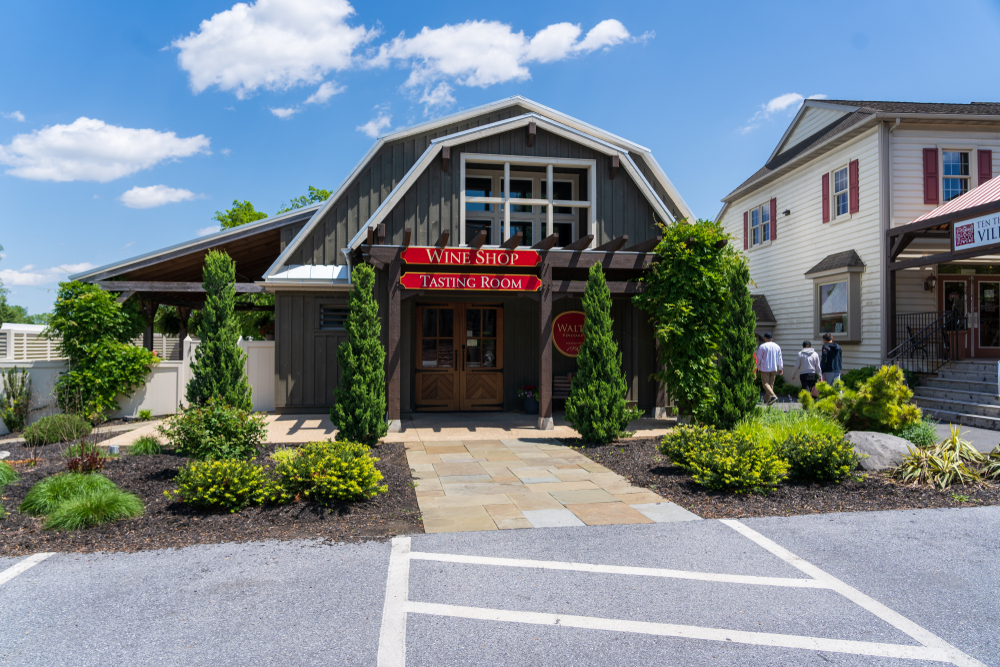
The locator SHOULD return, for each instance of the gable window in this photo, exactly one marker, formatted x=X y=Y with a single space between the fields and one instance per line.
x=840 y=194
x=955 y=177
x=760 y=224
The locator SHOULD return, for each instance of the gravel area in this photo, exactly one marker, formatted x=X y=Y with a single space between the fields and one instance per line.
x=170 y=524
x=639 y=460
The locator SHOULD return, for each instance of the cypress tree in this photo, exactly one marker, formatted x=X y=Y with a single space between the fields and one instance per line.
x=737 y=392
x=359 y=413
x=219 y=366
x=596 y=406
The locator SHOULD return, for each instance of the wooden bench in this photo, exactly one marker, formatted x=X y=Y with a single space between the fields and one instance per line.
x=561 y=385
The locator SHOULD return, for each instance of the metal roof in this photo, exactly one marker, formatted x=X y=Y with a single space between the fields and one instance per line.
x=986 y=193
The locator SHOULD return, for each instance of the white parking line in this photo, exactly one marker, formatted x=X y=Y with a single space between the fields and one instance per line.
x=25 y=564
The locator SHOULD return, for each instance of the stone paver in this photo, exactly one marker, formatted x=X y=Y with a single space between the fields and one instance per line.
x=512 y=483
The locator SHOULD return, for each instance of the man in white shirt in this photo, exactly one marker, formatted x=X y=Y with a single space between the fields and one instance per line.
x=770 y=365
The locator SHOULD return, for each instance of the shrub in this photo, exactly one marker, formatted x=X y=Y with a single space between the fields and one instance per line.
x=215 y=432
x=679 y=441
x=145 y=415
x=15 y=396
x=922 y=433
x=87 y=463
x=284 y=455
x=221 y=485
x=147 y=445
x=7 y=474
x=881 y=404
x=953 y=461
x=854 y=378
x=94 y=508
x=48 y=493
x=81 y=449
x=819 y=457
x=774 y=427
x=56 y=428
x=327 y=471
x=728 y=461
x=359 y=412
x=737 y=391
x=991 y=467
x=597 y=407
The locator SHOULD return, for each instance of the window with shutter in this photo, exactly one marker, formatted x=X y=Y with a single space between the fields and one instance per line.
x=774 y=219
x=930 y=176
x=985 y=165
x=825 y=182
x=854 y=187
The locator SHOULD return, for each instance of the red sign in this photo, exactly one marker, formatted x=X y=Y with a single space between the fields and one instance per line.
x=471 y=257
x=567 y=332
x=489 y=282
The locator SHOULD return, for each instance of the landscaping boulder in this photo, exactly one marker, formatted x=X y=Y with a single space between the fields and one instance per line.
x=883 y=450
x=4 y=455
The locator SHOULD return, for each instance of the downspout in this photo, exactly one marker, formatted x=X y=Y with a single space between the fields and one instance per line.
x=347 y=258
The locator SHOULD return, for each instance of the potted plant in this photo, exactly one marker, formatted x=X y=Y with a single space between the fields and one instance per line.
x=267 y=331
x=529 y=394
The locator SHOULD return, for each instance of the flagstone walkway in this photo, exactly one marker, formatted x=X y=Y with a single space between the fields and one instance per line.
x=525 y=483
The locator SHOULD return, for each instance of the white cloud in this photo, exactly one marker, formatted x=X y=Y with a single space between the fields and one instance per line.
x=205 y=231
x=776 y=105
x=155 y=195
x=284 y=114
x=14 y=115
x=377 y=125
x=438 y=97
x=226 y=151
x=29 y=275
x=92 y=150
x=271 y=44
x=327 y=90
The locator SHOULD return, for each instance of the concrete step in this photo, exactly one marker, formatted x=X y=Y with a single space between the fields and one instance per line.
x=957 y=394
x=960 y=385
x=964 y=407
x=948 y=373
x=977 y=421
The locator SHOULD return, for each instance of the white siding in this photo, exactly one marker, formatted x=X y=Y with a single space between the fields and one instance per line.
x=910 y=294
x=908 y=163
x=812 y=121
x=803 y=240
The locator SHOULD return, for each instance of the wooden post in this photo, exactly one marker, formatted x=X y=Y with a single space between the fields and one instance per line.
x=545 y=421
x=660 y=408
x=393 y=352
x=149 y=308
x=892 y=310
x=184 y=314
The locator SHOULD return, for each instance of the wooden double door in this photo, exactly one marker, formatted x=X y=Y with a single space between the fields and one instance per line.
x=459 y=360
x=975 y=300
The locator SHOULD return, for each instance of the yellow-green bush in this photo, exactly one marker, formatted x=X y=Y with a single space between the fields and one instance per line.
x=725 y=460
x=284 y=455
x=327 y=471
x=818 y=457
x=222 y=485
x=883 y=403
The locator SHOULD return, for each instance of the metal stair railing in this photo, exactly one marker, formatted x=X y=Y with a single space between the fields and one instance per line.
x=927 y=344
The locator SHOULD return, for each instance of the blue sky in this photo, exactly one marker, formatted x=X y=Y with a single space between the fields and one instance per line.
x=124 y=126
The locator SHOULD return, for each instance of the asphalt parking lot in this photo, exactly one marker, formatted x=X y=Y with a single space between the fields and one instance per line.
x=888 y=588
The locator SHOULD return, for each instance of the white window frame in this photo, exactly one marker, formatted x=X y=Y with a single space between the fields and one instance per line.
x=536 y=217
x=835 y=208
x=504 y=203
x=760 y=210
x=968 y=178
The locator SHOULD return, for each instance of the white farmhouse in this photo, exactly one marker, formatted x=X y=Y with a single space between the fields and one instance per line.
x=849 y=229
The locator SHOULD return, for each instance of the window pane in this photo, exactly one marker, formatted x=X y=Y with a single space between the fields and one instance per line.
x=430 y=322
x=956 y=163
x=473 y=322
x=765 y=232
x=989 y=314
x=473 y=227
x=840 y=181
x=428 y=355
x=954 y=302
x=490 y=322
x=755 y=217
x=446 y=353
x=565 y=232
x=489 y=353
x=955 y=187
x=447 y=323
x=840 y=204
x=478 y=187
x=519 y=189
x=833 y=308
x=473 y=358
x=756 y=235
x=561 y=190
x=525 y=229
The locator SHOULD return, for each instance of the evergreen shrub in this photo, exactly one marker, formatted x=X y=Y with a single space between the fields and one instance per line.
x=284 y=455
x=738 y=390
x=725 y=460
x=15 y=397
x=883 y=403
x=815 y=457
x=49 y=492
x=94 y=508
x=227 y=485
x=215 y=432
x=56 y=428
x=596 y=406
x=360 y=409
x=328 y=471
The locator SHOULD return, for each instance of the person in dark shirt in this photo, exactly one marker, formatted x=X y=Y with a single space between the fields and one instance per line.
x=830 y=360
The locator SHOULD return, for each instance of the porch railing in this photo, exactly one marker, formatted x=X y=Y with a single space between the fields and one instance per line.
x=927 y=340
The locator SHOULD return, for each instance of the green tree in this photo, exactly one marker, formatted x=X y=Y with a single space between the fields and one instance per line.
x=596 y=406
x=239 y=214
x=95 y=336
x=315 y=196
x=737 y=392
x=219 y=366
x=359 y=413
x=684 y=296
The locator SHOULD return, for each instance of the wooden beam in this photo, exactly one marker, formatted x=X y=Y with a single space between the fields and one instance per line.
x=613 y=171
x=124 y=296
x=443 y=239
x=513 y=241
x=149 y=308
x=580 y=244
x=409 y=294
x=645 y=246
x=609 y=260
x=445 y=157
x=899 y=245
x=378 y=264
x=614 y=244
x=532 y=131
x=578 y=286
x=381 y=233
x=406 y=237
x=479 y=240
x=394 y=349
x=167 y=287
x=946 y=219
x=545 y=421
x=942 y=257
x=547 y=243
x=383 y=253
x=371 y=236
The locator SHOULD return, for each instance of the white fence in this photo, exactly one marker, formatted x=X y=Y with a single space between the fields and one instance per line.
x=163 y=393
x=24 y=342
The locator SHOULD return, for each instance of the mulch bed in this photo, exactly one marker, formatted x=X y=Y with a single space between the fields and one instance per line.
x=170 y=524
x=639 y=460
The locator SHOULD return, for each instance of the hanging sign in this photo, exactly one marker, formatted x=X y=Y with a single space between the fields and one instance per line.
x=482 y=257
x=471 y=282
x=975 y=233
x=567 y=332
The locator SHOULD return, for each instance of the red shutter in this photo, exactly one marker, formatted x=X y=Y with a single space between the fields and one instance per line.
x=746 y=229
x=854 y=190
x=774 y=219
x=826 y=198
x=985 y=165
x=930 y=176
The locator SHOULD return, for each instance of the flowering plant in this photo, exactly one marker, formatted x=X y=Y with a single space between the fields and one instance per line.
x=528 y=391
x=267 y=330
